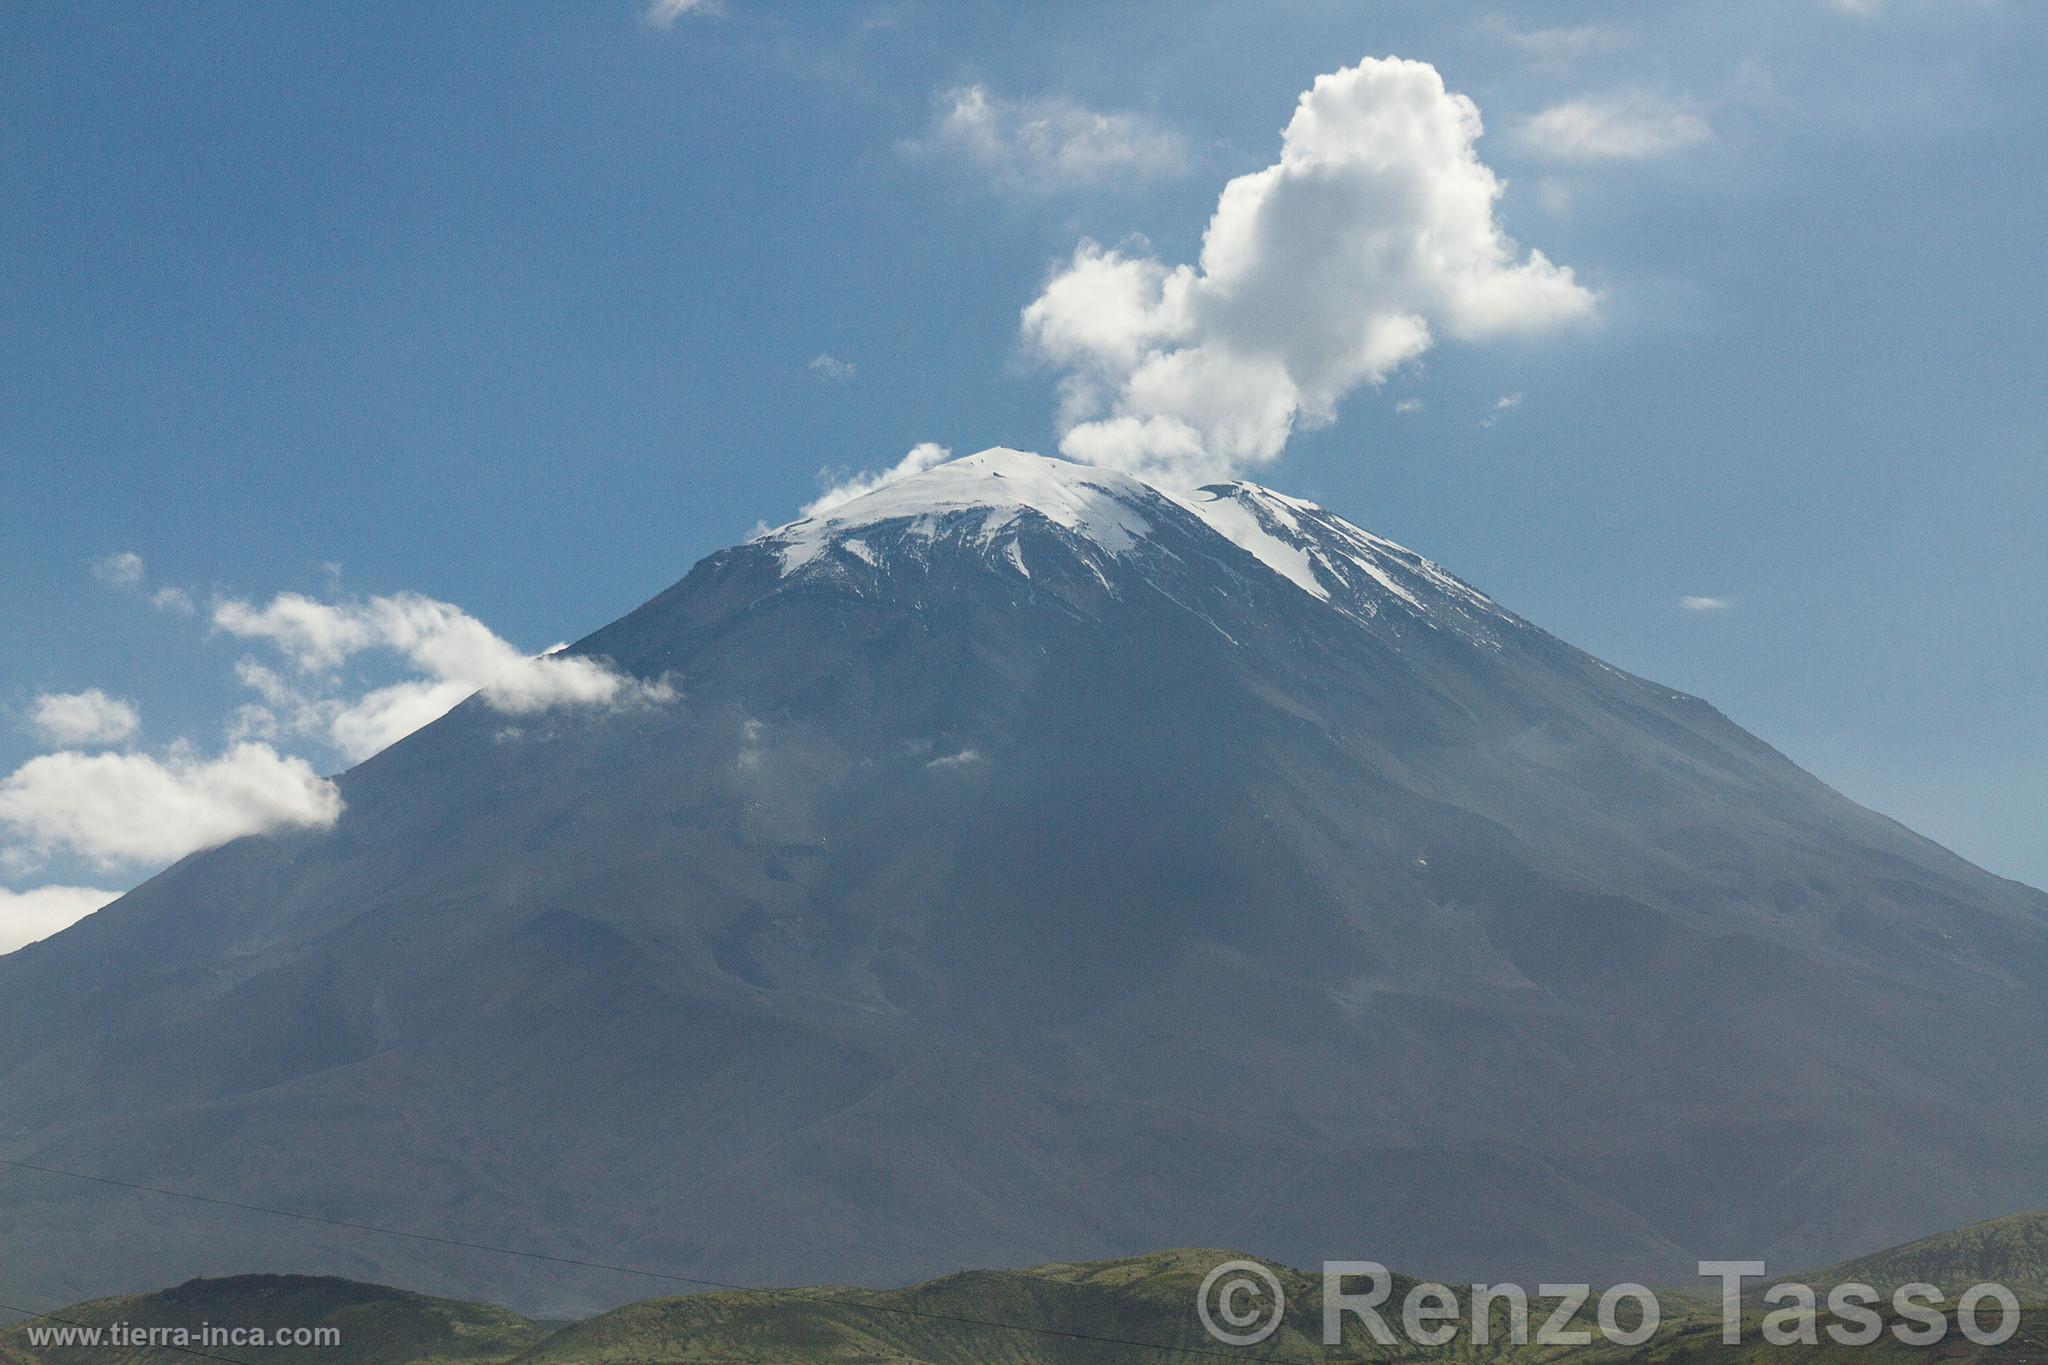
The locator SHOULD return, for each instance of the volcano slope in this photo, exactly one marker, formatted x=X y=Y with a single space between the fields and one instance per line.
x=1032 y=866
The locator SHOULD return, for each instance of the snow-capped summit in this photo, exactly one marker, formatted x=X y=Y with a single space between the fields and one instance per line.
x=992 y=489
x=983 y=502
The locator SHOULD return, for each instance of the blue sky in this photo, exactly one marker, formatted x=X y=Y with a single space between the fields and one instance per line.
x=521 y=309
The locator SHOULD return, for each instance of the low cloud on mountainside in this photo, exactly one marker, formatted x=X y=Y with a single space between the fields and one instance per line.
x=1329 y=269
x=925 y=455
x=118 y=810
x=458 y=654
x=26 y=916
x=124 y=811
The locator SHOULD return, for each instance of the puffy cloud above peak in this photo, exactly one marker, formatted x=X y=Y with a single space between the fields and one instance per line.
x=1048 y=142
x=1329 y=269
x=90 y=718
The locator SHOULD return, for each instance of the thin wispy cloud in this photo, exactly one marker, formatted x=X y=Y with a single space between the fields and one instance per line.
x=664 y=13
x=123 y=570
x=173 y=599
x=1507 y=402
x=1629 y=127
x=1327 y=270
x=1705 y=603
x=1559 y=43
x=1042 y=143
x=831 y=366
x=128 y=572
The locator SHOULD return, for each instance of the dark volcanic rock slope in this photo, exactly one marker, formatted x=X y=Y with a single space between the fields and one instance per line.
x=1036 y=866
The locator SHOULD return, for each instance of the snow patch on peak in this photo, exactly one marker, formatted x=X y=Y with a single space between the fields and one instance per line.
x=1001 y=484
x=1334 y=561
x=979 y=502
x=1236 y=521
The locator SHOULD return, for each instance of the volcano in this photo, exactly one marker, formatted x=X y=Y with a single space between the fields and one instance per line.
x=1033 y=864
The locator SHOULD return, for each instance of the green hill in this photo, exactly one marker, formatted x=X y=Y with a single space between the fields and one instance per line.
x=2011 y=1251
x=377 y=1325
x=1145 y=1299
x=1094 y=1313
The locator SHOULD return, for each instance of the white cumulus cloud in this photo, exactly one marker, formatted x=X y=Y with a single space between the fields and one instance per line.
x=1614 y=128
x=922 y=456
x=378 y=719
x=26 y=916
x=88 y=718
x=1049 y=142
x=457 y=653
x=1326 y=270
x=119 y=809
x=827 y=366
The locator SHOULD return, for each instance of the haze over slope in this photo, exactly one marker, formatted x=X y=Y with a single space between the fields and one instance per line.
x=1033 y=865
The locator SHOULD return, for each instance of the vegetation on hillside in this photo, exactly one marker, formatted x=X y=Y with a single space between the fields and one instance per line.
x=1137 y=1309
